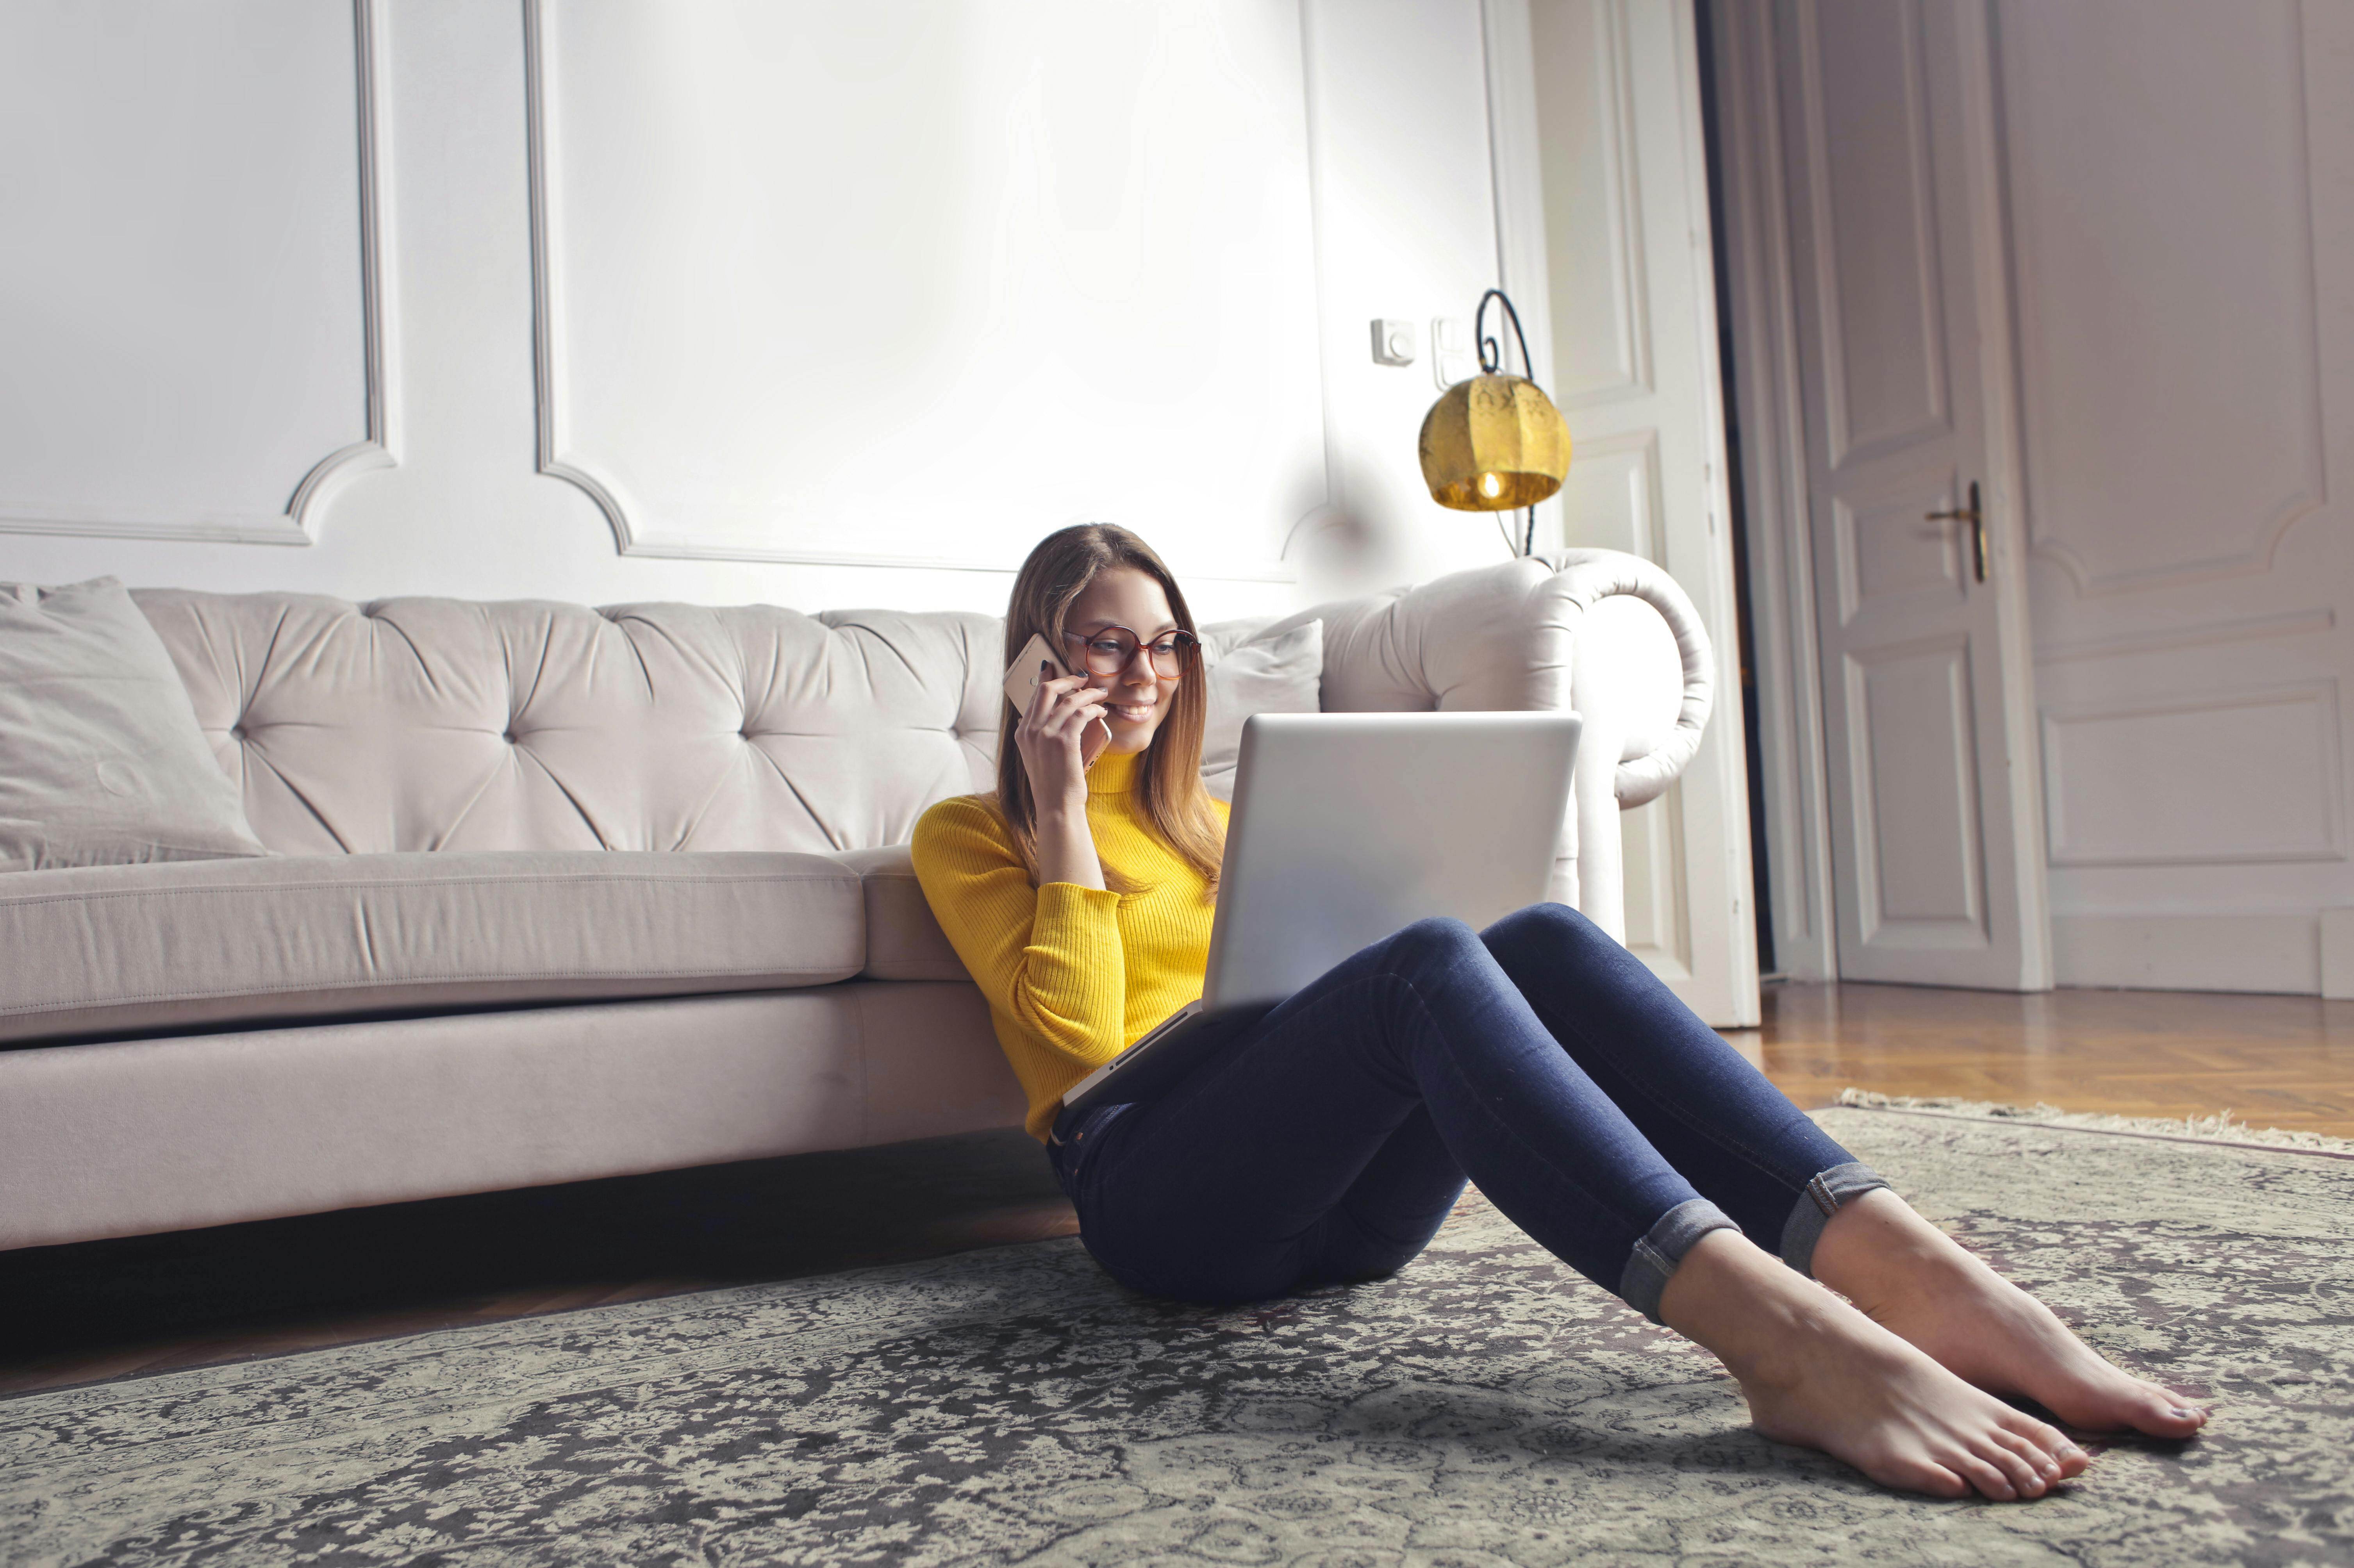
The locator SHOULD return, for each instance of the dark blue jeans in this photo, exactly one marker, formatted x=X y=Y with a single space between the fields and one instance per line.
x=1538 y=1057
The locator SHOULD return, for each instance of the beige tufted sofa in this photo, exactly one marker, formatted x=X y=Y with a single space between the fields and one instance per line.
x=559 y=893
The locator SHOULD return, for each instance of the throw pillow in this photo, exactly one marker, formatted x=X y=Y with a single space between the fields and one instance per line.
x=1253 y=674
x=101 y=761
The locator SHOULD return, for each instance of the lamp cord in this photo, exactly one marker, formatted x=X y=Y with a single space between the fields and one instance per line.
x=1491 y=359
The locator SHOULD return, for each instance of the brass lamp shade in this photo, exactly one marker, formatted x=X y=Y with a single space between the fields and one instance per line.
x=1493 y=443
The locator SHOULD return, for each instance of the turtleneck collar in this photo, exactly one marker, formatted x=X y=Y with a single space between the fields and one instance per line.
x=1114 y=773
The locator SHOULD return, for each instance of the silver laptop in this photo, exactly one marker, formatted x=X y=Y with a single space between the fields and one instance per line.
x=1347 y=827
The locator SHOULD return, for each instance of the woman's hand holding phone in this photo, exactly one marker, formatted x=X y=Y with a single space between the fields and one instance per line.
x=1062 y=730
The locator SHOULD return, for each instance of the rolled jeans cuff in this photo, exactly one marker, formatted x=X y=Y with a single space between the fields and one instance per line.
x=1662 y=1247
x=1817 y=1203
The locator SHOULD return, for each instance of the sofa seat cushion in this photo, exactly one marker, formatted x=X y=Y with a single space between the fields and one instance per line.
x=112 y=949
x=904 y=942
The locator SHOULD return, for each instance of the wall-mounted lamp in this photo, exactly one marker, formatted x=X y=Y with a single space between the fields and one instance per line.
x=1495 y=443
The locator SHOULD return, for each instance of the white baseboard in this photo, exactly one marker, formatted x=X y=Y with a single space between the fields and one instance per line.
x=2280 y=953
x=2338 y=954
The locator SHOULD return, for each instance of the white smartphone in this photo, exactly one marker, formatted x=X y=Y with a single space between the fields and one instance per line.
x=1021 y=678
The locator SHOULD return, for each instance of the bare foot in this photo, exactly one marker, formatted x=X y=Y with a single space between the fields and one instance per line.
x=1820 y=1373
x=1915 y=1280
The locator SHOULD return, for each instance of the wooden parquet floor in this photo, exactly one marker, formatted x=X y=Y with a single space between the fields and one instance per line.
x=2270 y=1061
x=145 y=1304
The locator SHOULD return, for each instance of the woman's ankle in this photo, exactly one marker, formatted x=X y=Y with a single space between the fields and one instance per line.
x=1877 y=1244
x=1739 y=1302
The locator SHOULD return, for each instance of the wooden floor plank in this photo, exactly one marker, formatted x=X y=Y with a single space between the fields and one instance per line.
x=2277 y=1060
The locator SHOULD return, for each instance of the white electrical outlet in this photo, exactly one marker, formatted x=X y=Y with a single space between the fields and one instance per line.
x=1393 y=343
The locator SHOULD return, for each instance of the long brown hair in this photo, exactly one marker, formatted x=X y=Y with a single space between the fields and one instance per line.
x=1169 y=792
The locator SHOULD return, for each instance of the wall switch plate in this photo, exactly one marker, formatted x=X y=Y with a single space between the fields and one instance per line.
x=1393 y=343
x=1451 y=359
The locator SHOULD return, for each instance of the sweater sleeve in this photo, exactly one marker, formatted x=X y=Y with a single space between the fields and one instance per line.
x=1049 y=957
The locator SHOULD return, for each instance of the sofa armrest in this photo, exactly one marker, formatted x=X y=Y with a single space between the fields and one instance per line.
x=1605 y=633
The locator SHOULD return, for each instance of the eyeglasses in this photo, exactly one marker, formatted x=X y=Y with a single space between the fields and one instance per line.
x=1109 y=649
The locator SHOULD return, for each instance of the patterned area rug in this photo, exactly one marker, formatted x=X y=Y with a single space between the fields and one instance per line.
x=1484 y=1407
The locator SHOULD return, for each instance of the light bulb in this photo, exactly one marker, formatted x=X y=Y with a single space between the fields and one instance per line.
x=1490 y=486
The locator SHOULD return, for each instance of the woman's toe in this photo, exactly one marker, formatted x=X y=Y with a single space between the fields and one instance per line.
x=2030 y=1469
x=1924 y=1476
x=1986 y=1476
x=2067 y=1460
x=2007 y=1455
x=2171 y=1417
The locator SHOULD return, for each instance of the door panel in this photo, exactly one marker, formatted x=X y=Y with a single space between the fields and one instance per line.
x=1628 y=330
x=1892 y=558
x=1933 y=879
x=1866 y=146
x=1912 y=749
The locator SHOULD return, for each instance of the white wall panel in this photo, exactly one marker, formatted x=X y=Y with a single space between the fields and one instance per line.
x=2168 y=339
x=1070 y=274
x=2188 y=952
x=2181 y=185
x=2231 y=775
x=1388 y=101
x=191 y=286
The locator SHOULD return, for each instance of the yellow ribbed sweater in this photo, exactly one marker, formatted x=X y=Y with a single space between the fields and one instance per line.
x=1072 y=974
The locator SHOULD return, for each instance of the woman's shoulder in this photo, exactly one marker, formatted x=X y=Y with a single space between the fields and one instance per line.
x=961 y=824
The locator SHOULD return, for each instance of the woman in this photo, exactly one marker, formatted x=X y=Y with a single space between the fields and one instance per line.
x=1539 y=1058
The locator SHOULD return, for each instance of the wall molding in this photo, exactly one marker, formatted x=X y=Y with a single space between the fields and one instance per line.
x=379 y=448
x=558 y=458
x=2320 y=696
x=2312 y=495
x=2252 y=629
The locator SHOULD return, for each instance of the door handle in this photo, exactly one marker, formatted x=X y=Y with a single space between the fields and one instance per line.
x=1976 y=520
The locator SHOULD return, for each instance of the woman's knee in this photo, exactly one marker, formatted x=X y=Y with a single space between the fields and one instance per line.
x=1439 y=940
x=1552 y=934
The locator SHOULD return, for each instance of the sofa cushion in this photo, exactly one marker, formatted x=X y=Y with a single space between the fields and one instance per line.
x=110 y=950
x=1251 y=672
x=903 y=941
x=101 y=762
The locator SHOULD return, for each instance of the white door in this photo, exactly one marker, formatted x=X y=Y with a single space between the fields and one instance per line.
x=1602 y=205
x=1895 y=245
